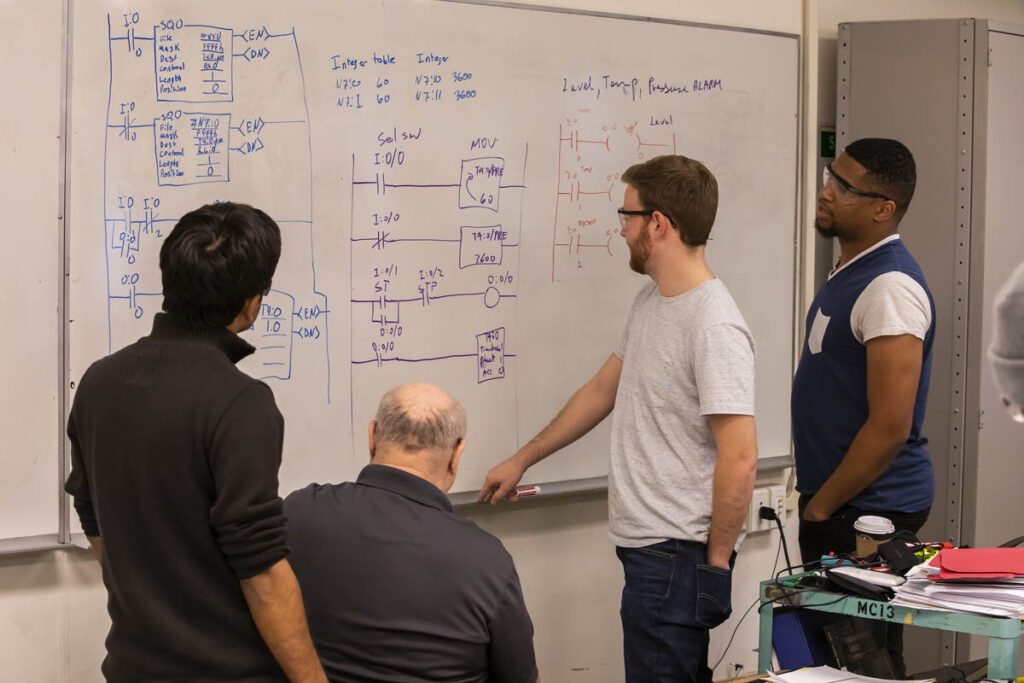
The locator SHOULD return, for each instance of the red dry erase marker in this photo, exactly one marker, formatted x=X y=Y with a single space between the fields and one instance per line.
x=527 y=491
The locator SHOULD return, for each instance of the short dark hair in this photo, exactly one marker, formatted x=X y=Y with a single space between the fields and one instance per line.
x=216 y=258
x=681 y=188
x=890 y=167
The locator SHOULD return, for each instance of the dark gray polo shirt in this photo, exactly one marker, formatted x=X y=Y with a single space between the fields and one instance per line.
x=397 y=587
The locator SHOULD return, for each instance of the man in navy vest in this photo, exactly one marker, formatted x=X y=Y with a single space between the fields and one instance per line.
x=860 y=389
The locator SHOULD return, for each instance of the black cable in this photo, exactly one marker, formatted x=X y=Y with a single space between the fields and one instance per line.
x=770 y=602
x=816 y=564
x=769 y=513
x=776 y=562
x=906 y=534
x=813 y=564
x=785 y=547
x=785 y=595
x=737 y=627
x=961 y=678
x=789 y=594
x=765 y=512
x=729 y=644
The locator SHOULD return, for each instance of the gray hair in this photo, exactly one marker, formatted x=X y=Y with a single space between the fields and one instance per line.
x=418 y=423
x=1007 y=350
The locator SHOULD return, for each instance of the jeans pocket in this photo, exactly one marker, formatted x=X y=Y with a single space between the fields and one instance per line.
x=714 y=595
x=648 y=574
x=654 y=552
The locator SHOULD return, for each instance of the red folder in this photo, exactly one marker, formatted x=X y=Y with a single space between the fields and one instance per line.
x=979 y=563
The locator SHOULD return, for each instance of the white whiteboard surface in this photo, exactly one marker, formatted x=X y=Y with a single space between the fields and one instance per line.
x=445 y=177
x=30 y=75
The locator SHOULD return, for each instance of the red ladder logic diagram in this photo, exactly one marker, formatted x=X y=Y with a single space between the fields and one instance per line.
x=591 y=156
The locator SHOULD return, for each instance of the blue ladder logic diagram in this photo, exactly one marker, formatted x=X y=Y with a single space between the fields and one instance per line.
x=192 y=118
x=435 y=259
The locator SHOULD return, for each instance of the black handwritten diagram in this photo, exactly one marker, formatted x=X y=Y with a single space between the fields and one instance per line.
x=190 y=121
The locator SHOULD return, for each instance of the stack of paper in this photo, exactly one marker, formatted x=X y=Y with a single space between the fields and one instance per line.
x=987 y=581
x=826 y=674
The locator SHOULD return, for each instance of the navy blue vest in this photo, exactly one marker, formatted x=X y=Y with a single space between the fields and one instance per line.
x=830 y=402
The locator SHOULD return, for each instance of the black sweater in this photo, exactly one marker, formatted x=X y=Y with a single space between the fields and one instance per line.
x=175 y=454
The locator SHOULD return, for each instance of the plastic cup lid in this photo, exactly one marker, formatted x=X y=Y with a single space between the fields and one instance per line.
x=870 y=524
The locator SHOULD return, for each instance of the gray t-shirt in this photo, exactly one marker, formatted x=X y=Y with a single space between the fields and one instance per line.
x=684 y=358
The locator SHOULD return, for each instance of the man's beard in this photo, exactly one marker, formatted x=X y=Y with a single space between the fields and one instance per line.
x=828 y=232
x=832 y=229
x=639 y=252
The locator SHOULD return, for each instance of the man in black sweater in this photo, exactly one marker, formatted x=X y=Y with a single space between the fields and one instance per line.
x=175 y=454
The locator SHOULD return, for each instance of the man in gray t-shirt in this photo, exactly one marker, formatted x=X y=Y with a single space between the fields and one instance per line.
x=683 y=446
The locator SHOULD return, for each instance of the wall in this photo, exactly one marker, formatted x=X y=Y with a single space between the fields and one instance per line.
x=52 y=616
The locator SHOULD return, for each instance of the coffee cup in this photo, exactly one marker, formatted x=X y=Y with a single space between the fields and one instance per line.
x=872 y=531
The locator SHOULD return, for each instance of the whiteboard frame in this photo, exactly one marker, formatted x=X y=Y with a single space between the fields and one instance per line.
x=64 y=537
x=594 y=484
x=1009 y=28
x=628 y=17
x=64 y=256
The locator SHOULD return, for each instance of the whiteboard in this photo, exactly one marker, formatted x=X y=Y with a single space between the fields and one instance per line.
x=30 y=281
x=445 y=177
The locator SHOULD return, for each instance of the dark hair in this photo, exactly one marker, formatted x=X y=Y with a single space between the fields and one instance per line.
x=890 y=167
x=216 y=258
x=681 y=188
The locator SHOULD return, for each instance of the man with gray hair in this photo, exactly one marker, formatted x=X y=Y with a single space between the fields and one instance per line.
x=397 y=586
x=1007 y=350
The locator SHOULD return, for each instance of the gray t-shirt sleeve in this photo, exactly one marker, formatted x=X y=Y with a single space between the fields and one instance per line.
x=724 y=370
x=892 y=304
x=510 y=653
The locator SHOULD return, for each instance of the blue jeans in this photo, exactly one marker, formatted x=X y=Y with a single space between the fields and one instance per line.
x=671 y=601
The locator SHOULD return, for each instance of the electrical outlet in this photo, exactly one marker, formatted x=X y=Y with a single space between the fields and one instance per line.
x=754 y=521
x=777 y=495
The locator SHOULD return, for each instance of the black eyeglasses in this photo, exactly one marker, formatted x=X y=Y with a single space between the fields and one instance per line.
x=842 y=186
x=625 y=214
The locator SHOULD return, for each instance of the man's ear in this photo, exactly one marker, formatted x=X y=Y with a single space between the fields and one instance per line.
x=662 y=225
x=248 y=315
x=885 y=211
x=252 y=307
x=453 y=463
x=372 y=438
